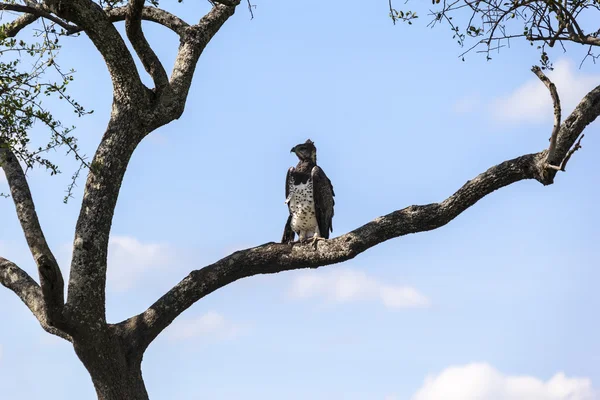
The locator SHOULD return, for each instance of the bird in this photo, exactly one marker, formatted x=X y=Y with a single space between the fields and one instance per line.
x=309 y=197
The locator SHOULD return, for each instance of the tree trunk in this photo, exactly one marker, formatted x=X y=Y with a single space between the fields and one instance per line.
x=116 y=373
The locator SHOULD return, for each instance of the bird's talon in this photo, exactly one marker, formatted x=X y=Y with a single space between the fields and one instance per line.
x=316 y=240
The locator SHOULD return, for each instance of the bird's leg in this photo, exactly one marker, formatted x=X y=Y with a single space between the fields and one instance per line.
x=315 y=239
x=302 y=237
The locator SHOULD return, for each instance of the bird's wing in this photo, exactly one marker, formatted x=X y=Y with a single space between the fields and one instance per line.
x=324 y=202
x=288 y=233
x=288 y=182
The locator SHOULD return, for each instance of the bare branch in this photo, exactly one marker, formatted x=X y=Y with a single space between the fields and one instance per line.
x=30 y=293
x=39 y=12
x=50 y=276
x=150 y=61
x=152 y=14
x=557 y=111
x=564 y=162
x=89 y=16
x=274 y=257
x=11 y=29
x=193 y=42
x=270 y=258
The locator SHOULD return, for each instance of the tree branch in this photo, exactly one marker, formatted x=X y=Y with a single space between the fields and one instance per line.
x=270 y=258
x=557 y=112
x=39 y=12
x=274 y=257
x=89 y=16
x=150 y=61
x=17 y=280
x=50 y=276
x=11 y=29
x=153 y=14
x=193 y=41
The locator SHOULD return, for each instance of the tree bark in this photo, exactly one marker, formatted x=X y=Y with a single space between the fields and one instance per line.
x=116 y=372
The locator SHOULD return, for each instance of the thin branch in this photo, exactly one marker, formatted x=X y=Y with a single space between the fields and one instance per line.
x=152 y=14
x=251 y=6
x=50 y=276
x=564 y=162
x=557 y=110
x=30 y=293
x=11 y=29
x=150 y=61
x=39 y=12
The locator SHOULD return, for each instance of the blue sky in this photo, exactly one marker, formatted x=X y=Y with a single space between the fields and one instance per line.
x=499 y=304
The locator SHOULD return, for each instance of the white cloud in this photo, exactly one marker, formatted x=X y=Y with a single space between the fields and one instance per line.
x=128 y=259
x=212 y=325
x=342 y=285
x=531 y=102
x=480 y=381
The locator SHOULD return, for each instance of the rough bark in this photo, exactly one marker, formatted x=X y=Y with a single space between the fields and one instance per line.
x=14 y=278
x=87 y=282
x=113 y=353
x=115 y=372
x=52 y=284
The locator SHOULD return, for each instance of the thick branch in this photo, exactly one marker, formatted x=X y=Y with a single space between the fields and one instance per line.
x=17 y=280
x=90 y=17
x=269 y=258
x=150 y=61
x=87 y=281
x=50 y=276
x=557 y=112
x=274 y=257
x=193 y=42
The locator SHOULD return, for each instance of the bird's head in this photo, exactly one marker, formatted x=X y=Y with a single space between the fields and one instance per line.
x=306 y=151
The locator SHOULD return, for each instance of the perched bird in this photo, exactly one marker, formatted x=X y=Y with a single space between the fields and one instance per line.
x=309 y=196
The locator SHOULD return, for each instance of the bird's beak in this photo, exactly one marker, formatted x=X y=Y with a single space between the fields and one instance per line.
x=293 y=149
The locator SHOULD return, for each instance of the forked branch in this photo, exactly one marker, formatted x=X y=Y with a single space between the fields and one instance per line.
x=557 y=111
x=150 y=61
x=193 y=42
x=30 y=293
x=52 y=284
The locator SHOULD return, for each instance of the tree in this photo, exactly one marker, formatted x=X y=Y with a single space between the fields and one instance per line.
x=112 y=353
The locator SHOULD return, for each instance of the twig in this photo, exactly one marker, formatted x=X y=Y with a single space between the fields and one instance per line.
x=557 y=113
x=564 y=162
x=250 y=7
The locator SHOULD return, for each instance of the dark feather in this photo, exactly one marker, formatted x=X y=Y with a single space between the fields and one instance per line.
x=324 y=202
x=288 y=233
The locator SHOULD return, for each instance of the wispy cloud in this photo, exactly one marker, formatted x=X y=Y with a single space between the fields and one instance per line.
x=480 y=381
x=128 y=259
x=210 y=325
x=531 y=102
x=343 y=285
